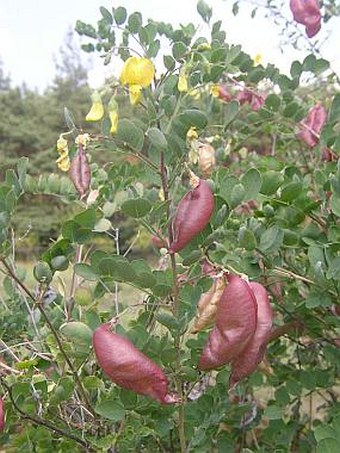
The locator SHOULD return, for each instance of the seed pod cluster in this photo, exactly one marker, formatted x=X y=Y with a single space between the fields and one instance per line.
x=242 y=328
x=128 y=367
x=192 y=215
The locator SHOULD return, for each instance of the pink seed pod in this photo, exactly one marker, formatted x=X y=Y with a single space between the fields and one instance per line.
x=128 y=367
x=246 y=362
x=192 y=215
x=235 y=325
x=307 y=13
x=312 y=125
x=80 y=171
x=2 y=415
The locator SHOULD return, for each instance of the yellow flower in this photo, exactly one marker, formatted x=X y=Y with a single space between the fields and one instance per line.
x=215 y=91
x=161 y=194
x=82 y=139
x=182 y=84
x=135 y=93
x=62 y=144
x=137 y=71
x=96 y=112
x=257 y=59
x=63 y=163
x=192 y=134
x=114 y=122
x=195 y=93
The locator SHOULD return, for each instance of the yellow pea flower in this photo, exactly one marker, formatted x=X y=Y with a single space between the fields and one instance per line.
x=192 y=134
x=215 y=90
x=182 y=84
x=114 y=122
x=96 y=112
x=63 y=163
x=137 y=71
x=257 y=59
x=195 y=93
x=135 y=93
x=113 y=114
x=62 y=144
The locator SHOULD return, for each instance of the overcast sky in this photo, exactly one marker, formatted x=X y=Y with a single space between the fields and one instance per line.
x=32 y=31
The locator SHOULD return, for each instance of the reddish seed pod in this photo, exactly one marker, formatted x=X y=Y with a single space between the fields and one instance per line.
x=307 y=13
x=312 y=125
x=236 y=319
x=128 y=367
x=2 y=415
x=192 y=215
x=80 y=171
x=246 y=362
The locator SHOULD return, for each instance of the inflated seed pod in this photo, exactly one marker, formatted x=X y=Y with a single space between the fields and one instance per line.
x=248 y=360
x=128 y=367
x=311 y=125
x=80 y=171
x=206 y=158
x=307 y=13
x=207 y=305
x=192 y=215
x=235 y=325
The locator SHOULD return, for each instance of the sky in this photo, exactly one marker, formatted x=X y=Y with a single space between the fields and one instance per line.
x=32 y=32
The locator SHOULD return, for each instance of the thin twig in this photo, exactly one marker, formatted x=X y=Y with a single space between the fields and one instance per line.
x=42 y=422
x=54 y=332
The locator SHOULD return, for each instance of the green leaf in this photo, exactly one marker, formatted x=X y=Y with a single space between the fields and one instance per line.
x=230 y=112
x=273 y=102
x=247 y=239
x=129 y=133
x=117 y=267
x=86 y=271
x=157 y=138
x=120 y=15
x=291 y=191
x=328 y=445
x=321 y=65
x=135 y=22
x=106 y=14
x=204 y=11
x=144 y=277
x=252 y=183
x=334 y=115
x=111 y=409
x=296 y=69
x=237 y=195
x=271 y=239
x=103 y=225
x=335 y=204
x=169 y=62
x=77 y=332
x=273 y=412
x=271 y=181
x=137 y=207
x=178 y=50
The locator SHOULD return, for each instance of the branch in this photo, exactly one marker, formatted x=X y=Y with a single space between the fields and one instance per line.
x=42 y=422
x=54 y=332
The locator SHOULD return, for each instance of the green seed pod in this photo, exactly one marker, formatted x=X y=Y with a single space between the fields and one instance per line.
x=59 y=263
x=42 y=272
